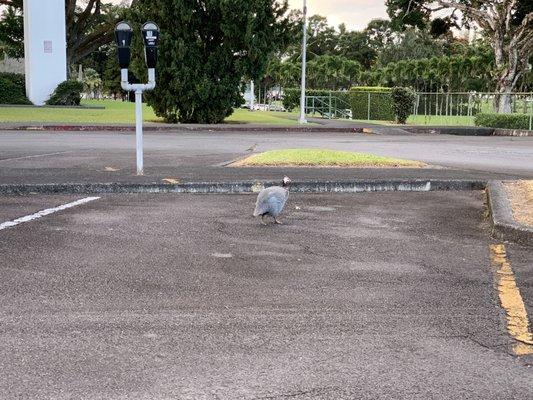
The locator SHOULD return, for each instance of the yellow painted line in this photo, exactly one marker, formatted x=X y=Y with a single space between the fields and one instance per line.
x=171 y=181
x=518 y=324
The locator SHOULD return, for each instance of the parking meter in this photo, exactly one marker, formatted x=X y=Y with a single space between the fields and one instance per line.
x=123 y=35
x=150 y=32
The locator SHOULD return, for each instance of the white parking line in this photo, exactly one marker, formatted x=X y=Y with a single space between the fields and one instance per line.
x=34 y=155
x=43 y=213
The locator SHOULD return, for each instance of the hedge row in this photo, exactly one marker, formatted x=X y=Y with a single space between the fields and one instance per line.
x=12 y=89
x=381 y=104
x=503 y=121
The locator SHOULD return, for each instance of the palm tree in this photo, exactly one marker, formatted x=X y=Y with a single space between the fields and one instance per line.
x=92 y=83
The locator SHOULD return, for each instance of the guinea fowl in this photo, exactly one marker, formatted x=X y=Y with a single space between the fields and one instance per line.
x=271 y=201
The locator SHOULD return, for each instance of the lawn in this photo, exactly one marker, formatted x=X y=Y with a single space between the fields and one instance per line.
x=322 y=158
x=242 y=116
x=119 y=112
x=115 y=112
x=454 y=120
x=438 y=120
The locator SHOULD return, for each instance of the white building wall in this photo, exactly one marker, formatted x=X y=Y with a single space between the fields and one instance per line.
x=44 y=47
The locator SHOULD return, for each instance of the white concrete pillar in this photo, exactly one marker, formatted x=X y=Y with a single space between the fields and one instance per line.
x=45 y=48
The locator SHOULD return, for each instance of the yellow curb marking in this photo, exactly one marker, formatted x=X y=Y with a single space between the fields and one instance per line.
x=111 y=169
x=518 y=324
x=257 y=187
x=171 y=181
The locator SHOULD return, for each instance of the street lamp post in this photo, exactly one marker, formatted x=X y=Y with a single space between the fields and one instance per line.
x=302 y=119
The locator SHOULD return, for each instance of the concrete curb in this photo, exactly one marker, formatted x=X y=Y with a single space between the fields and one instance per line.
x=180 y=128
x=466 y=131
x=416 y=185
x=504 y=226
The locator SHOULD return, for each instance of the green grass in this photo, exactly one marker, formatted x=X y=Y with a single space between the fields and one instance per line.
x=425 y=120
x=119 y=112
x=322 y=158
x=242 y=116
x=441 y=120
x=115 y=112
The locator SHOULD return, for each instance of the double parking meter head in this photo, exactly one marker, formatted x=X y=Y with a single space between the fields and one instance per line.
x=123 y=35
x=150 y=32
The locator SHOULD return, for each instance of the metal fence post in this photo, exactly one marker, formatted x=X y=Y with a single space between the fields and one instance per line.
x=329 y=115
x=368 y=107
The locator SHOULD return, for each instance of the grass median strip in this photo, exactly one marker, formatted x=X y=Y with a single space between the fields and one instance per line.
x=323 y=158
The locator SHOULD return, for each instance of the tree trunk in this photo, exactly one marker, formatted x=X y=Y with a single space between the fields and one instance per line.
x=503 y=99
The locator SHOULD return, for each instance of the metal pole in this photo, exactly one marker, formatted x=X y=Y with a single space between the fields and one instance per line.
x=368 y=107
x=302 y=119
x=530 y=113
x=139 y=130
x=252 y=97
x=329 y=105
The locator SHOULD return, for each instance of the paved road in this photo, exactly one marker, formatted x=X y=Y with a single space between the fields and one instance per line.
x=39 y=157
x=179 y=296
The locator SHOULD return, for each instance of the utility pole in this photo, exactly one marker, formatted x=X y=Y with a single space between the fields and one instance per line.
x=302 y=119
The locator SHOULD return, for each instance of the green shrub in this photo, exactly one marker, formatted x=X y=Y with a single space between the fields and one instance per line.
x=371 y=89
x=67 y=93
x=403 y=100
x=381 y=107
x=357 y=98
x=13 y=89
x=504 y=121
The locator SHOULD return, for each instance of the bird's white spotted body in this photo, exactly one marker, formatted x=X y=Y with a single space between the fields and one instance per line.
x=271 y=200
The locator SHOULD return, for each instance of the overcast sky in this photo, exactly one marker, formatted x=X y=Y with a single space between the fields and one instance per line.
x=354 y=13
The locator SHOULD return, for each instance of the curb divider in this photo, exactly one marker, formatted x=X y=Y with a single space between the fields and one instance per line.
x=180 y=128
x=416 y=185
x=504 y=226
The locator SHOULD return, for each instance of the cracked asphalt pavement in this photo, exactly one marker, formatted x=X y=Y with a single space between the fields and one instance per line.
x=364 y=296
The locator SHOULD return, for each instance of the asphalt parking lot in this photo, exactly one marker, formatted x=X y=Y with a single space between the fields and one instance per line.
x=59 y=157
x=365 y=296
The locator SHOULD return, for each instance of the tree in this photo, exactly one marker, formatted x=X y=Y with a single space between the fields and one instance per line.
x=92 y=83
x=12 y=32
x=355 y=46
x=322 y=38
x=412 y=44
x=380 y=33
x=207 y=49
x=506 y=24
x=89 y=25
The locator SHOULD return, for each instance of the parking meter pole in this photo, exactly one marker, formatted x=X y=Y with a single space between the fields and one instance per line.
x=139 y=130
x=123 y=34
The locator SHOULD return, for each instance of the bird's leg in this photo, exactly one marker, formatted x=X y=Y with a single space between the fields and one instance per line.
x=278 y=222
x=263 y=219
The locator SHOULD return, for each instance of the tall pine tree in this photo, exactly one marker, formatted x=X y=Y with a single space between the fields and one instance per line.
x=207 y=49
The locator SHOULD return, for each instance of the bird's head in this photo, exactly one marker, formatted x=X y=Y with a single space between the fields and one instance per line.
x=286 y=182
